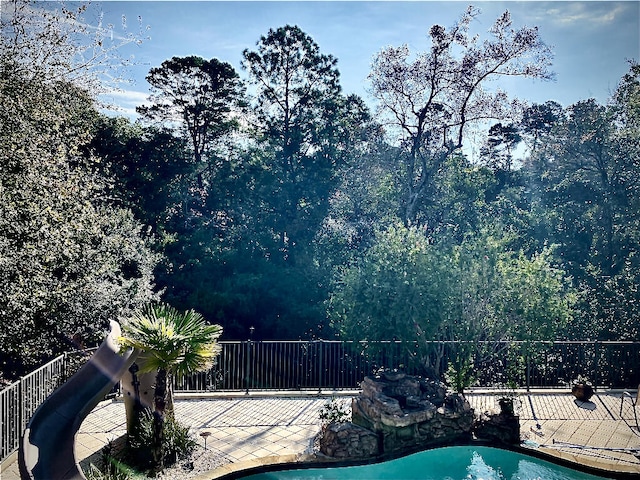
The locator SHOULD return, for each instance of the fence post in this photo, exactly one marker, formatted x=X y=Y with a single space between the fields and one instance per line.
x=321 y=363
x=246 y=369
x=65 y=367
x=596 y=363
x=21 y=415
x=528 y=373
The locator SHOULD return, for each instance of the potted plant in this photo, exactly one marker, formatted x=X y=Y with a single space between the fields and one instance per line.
x=506 y=401
x=581 y=389
x=460 y=373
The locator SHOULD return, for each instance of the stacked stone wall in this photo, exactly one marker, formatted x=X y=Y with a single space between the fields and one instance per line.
x=397 y=413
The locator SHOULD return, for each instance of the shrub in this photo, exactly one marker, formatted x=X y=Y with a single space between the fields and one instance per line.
x=334 y=411
x=178 y=443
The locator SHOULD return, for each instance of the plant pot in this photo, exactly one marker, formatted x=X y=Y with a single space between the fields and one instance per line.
x=582 y=391
x=506 y=406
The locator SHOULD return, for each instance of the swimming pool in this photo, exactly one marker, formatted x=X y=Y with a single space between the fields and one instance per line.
x=449 y=463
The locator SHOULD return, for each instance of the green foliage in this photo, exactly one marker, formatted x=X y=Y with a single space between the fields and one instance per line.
x=392 y=292
x=335 y=411
x=70 y=260
x=179 y=342
x=201 y=93
x=460 y=372
x=95 y=473
x=405 y=288
x=148 y=168
x=136 y=459
x=313 y=204
x=178 y=443
x=112 y=468
x=172 y=343
x=305 y=129
x=586 y=173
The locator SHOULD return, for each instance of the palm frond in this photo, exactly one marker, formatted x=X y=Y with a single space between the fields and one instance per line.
x=180 y=342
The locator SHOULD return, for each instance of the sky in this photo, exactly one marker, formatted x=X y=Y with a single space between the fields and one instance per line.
x=592 y=41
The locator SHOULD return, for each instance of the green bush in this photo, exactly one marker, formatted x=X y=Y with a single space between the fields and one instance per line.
x=112 y=468
x=335 y=411
x=178 y=443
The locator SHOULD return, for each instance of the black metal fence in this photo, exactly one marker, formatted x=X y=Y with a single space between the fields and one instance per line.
x=20 y=400
x=338 y=365
x=312 y=365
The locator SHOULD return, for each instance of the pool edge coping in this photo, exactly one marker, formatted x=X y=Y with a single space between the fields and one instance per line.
x=306 y=461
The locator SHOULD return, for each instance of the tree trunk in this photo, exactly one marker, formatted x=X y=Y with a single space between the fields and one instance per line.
x=168 y=410
x=158 y=419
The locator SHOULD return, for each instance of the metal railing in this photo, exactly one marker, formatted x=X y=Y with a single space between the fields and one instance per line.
x=313 y=365
x=20 y=400
x=341 y=365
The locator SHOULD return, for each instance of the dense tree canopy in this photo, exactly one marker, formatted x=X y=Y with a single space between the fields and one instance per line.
x=197 y=96
x=291 y=208
x=405 y=287
x=431 y=99
x=70 y=260
x=298 y=105
x=586 y=174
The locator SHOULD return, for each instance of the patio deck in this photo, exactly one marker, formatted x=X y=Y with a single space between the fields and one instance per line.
x=250 y=430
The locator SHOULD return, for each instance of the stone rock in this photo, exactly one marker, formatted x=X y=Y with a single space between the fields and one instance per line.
x=393 y=375
x=498 y=427
x=371 y=387
x=346 y=440
x=410 y=412
x=387 y=405
x=403 y=388
x=435 y=391
x=397 y=413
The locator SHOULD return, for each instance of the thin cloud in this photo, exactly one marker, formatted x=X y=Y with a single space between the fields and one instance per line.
x=123 y=102
x=587 y=13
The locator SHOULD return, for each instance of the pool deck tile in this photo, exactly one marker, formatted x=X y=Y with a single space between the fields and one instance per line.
x=257 y=429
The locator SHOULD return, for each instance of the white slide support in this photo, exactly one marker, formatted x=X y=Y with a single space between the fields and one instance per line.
x=47 y=446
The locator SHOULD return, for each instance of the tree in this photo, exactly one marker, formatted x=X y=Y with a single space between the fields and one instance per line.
x=407 y=287
x=299 y=112
x=430 y=100
x=198 y=97
x=147 y=166
x=538 y=121
x=392 y=292
x=47 y=44
x=172 y=343
x=587 y=172
x=498 y=151
x=70 y=260
x=301 y=134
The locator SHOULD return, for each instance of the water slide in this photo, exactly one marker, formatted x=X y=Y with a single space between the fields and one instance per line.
x=47 y=447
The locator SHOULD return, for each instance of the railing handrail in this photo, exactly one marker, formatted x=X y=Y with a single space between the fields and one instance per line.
x=339 y=364
x=514 y=342
x=364 y=342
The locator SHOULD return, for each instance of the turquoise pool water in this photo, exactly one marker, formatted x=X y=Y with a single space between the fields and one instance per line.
x=450 y=463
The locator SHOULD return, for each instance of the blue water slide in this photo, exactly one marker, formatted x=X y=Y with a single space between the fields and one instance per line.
x=47 y=446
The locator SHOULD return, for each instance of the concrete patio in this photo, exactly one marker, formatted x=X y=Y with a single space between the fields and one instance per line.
x=256 y=429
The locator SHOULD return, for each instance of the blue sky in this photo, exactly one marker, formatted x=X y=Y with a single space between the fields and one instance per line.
x=591 y=40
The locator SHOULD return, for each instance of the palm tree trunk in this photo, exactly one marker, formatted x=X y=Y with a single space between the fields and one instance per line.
x=168 y=410
x=158 y=418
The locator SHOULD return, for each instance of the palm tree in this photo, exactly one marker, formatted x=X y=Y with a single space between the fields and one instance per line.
x=172 y=343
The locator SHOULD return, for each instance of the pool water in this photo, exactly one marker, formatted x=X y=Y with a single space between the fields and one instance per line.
x=450 y=463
